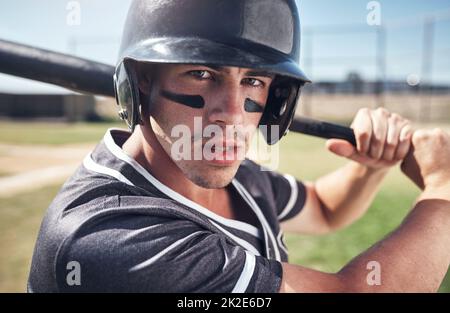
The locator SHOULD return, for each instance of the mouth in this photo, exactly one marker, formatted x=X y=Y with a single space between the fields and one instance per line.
x=224 y=154
x=224 y=146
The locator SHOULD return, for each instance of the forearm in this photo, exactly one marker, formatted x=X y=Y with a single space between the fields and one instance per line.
x=415 y=257
x=346 y=193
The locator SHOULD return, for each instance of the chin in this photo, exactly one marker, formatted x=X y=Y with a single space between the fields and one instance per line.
x=212 y=177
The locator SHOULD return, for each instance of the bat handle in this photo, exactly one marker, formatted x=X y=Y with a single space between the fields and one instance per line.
x=323 y=129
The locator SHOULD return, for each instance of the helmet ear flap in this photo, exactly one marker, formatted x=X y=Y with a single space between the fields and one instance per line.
x=280 y=109
x=127 y=94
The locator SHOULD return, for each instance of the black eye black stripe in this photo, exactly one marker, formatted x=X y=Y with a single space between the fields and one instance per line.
x=196 y=102
x=253 y=106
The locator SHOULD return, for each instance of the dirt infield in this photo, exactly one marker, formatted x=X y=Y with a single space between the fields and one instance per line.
x=28 y=167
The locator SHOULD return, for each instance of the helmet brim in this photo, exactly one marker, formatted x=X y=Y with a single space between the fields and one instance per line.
x=204 y=51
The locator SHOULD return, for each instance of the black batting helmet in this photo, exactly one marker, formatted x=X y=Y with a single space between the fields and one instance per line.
x=257 y=34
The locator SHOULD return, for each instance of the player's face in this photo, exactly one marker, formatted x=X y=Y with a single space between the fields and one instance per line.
x=205 y=116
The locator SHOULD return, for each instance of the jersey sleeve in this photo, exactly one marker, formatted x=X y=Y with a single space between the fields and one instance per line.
x=289 y=193
x=148 y=254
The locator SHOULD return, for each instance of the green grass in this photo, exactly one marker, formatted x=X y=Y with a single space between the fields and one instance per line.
x=20 y=218
x=52 y=133
x=304 y=157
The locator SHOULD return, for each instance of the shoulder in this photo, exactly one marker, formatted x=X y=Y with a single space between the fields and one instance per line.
x=86 y=203
x=136 y=252
x=111 y=250
x=106 y=236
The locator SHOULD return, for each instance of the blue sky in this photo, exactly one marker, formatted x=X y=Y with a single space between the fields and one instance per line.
x=43 y=23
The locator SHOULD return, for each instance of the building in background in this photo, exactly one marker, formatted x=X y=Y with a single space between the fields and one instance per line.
x=65 y=107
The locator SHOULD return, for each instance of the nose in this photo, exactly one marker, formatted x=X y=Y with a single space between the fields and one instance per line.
x=226 y=106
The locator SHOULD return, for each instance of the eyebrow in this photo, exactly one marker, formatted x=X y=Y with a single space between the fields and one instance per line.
x=255 y=73
x=259 y=73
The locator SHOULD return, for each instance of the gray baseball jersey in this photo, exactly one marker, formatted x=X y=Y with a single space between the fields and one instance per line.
x=127 y=232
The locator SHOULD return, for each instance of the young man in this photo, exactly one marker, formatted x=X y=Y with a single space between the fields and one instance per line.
x=143 y=215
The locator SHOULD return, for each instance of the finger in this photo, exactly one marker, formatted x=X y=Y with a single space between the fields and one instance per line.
x=404 y=142
x=395 y=125
x=362 y=127
x=341 y=147
x=379 y=131
x=344 y=149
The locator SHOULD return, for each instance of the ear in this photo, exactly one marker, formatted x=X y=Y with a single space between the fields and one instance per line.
x=144 y=80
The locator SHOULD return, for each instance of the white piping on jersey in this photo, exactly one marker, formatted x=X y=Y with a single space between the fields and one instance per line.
x=91 y=165
x=225 y=263
x=261 y=217
x=119 y=153
x=244 y=196
x=292 y=198
x=246 y=274
x=161 y=253
x=245 y=244
x=280 y=242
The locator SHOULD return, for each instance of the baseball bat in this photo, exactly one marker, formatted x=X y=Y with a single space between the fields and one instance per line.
x=77 y=74
x=86 y=76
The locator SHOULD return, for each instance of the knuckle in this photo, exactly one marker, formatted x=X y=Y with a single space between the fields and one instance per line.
x=382 y=112
x=420 y=134
x=438 y=132
x=440 y=136
x=407 y=139
x=407 y=127
x=395 y=118
x=363 y=111
x=408 y=133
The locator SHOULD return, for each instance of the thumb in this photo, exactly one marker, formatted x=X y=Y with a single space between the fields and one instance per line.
x=341 y=147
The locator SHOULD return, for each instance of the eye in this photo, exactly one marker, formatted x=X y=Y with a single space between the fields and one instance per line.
x=200 y=74
x=253 y=82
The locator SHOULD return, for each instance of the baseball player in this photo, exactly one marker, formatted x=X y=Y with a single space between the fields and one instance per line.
x=142 y=215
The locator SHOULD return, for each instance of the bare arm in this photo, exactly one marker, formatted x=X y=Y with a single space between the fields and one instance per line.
x=346 y=200
x=414 y=258
x=337 y=199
